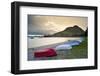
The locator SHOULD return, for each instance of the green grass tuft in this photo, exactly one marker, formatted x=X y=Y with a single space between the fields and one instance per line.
x=80 y=51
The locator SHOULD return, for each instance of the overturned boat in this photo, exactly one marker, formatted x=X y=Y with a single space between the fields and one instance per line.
x=49 y=52
x=63 y=47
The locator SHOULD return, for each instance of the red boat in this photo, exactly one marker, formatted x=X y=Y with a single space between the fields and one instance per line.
x=49 y=52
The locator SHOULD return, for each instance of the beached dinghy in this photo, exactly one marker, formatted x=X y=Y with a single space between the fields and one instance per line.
x=49 y=52
x=73 y=43
x=63 y=47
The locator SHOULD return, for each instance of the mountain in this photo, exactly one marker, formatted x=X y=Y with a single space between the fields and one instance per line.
x=74 y=31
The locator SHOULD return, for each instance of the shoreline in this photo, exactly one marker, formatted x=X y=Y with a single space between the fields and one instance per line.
x=78 y=52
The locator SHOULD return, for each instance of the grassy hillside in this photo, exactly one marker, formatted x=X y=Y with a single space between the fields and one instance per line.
x=70 y=31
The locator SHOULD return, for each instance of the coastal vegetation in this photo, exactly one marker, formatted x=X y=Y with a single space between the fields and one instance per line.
x=79 y=51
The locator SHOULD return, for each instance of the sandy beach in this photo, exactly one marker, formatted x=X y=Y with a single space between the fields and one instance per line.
x=60 y=54
x=79 y=51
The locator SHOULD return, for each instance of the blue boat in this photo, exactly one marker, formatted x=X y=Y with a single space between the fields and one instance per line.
x=72 y=43
x=63 y=47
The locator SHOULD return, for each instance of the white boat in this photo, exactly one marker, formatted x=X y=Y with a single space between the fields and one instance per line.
x=63 y=47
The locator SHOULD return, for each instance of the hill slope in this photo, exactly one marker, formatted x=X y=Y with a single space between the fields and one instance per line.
x=70 y=31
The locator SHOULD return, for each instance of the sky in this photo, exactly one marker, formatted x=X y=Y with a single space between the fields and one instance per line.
x=38 y=24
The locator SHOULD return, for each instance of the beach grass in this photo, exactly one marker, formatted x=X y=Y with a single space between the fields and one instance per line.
x=80 y=51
